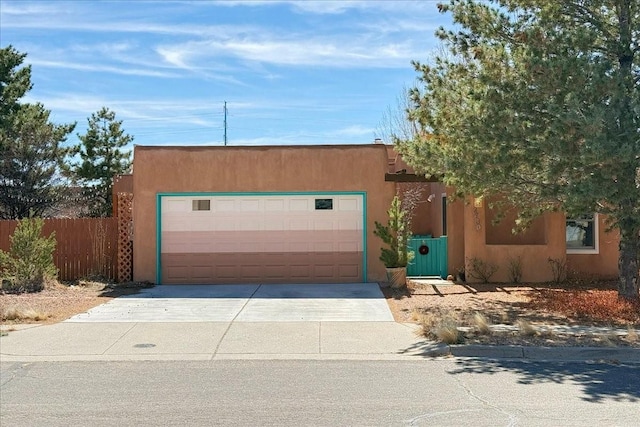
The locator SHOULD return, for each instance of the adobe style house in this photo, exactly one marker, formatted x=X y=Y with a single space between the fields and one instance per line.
x=300 y=214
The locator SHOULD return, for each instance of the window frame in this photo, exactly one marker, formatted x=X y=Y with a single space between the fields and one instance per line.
x=443 y=210
x=596 y=239
x=195 y=205
x=323 y=204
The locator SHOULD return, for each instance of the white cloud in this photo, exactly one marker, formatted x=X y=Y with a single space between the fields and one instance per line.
x=355 y=130
x=344 y=52
x=125 y=59
x=174 y=57
x=148 y=113
x=296 y=74
x=80 y=22
x=368 y=43
x=102 y=68
x=23 y=8
x=332 y=7
x=328 y=7
x=308 y=6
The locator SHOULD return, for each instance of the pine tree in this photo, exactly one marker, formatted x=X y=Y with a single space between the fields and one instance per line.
x=31 y=150
x=538 y=101
x=102 y=157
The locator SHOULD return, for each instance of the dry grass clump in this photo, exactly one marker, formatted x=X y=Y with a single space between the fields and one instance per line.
x=481 y=324
x=22 y=313
x=442 y=326
x=525 y=328
x=448 y=333
x=607 y=340
x=632 y=335
x=595 y=305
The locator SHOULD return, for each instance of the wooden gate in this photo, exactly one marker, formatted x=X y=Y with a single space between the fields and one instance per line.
x=430 y=256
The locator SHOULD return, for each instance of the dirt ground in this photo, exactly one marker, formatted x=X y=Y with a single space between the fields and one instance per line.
x=458 y=304
x=58 y=302
x=503 y=304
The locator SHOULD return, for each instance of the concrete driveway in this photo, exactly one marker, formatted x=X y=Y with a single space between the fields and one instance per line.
x=353 y=302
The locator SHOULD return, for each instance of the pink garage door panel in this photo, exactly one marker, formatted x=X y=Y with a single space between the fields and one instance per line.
x=261 y=241
x=320 y=267
x=247 y=239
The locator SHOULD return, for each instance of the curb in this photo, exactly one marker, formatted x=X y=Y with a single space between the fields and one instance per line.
x=564 y=354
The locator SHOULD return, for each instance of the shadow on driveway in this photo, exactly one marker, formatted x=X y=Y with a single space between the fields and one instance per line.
x=279 y=291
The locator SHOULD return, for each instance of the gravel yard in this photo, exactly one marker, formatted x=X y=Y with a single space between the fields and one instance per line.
x=514 y=313
x=58 y=302
x=519 y=308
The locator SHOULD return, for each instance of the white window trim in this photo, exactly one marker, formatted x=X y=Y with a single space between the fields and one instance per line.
x=596 y=240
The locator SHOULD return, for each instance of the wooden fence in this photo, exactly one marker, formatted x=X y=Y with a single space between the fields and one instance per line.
x=85 y=246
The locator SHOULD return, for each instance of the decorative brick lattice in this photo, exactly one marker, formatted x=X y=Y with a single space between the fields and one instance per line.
x=125 y=237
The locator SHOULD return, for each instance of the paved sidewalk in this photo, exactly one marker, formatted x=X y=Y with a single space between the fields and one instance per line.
x=259 y=322
x=69 y=341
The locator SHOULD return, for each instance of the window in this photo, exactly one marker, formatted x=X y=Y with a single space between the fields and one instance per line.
x=582 y=234
x=324 y=204
x=201 y=205
x=444 y=214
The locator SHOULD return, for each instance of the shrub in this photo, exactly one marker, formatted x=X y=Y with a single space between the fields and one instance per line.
x=29 y=262
x=395 y=234
x=515 y=269
x=591 y=305
x=480 y=269
x=558 y=269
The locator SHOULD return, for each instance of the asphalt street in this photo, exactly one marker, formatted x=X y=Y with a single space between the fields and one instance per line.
x=444 y=392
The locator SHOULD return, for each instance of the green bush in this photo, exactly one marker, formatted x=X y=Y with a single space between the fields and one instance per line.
x=29 y=262
x=395 y=234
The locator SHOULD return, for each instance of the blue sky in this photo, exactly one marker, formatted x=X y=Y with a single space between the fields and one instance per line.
x=315 y=72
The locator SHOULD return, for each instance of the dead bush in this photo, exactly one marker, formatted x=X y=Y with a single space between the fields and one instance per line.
x=588 y=305
x=22 y=313
x=558 y=269
x=515 y=269
x=480 y=269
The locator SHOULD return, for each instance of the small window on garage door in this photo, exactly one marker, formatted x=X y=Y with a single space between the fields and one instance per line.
x=201 y=205
x=324 y=204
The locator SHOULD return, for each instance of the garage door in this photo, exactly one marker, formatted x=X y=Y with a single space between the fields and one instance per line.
x=261 y=238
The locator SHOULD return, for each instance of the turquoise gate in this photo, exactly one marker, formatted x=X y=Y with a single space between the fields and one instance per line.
x=430 y=257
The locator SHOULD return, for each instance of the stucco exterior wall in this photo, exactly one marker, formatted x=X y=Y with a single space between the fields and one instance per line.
x=604 y=264
x=535 y=265
x=257 y=169
x=455 y=235
x=502 y=232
